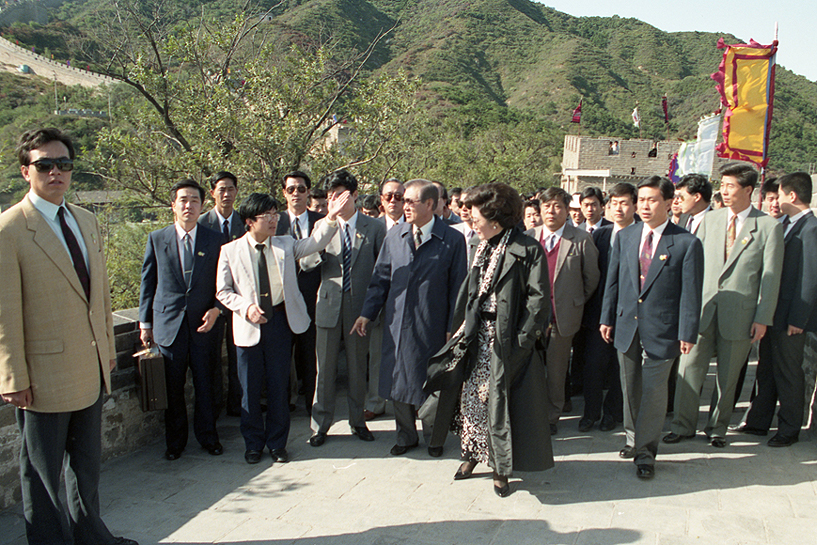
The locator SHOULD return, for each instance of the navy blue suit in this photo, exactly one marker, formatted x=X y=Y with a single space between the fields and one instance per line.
x=175 y=313
x=600 y=361
x=649 y=323
x=780 y=375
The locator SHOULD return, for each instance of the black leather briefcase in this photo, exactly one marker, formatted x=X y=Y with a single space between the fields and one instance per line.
x=152 y=387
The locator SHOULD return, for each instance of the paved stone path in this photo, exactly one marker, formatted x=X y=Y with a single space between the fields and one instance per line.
x=349 y=491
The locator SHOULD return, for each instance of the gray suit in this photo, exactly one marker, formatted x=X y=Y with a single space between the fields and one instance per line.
x=737 y=292
x=574 y=279
x=335 y=314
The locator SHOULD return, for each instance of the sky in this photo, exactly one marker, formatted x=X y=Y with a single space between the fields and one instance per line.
x=746 y=19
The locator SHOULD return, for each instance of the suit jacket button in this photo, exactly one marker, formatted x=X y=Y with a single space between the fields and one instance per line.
x=640 y=301
x=93 y=343
x=636 y=317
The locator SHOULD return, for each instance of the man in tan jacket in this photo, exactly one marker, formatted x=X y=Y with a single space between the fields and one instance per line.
x=56 y=344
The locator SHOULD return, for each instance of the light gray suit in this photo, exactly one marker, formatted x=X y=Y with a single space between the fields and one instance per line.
x=737 y=292
x=335 y=314
x=574 y=279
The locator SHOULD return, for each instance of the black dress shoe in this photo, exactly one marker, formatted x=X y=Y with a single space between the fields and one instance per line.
x=502 y=490
x=252 y=456
x=644 y=471
x=363 y=433
x=782 y=440
x=172 y=454
x=743 y=428
x=554 y=429
x=673 y=437
x=627 y=452
x=399 y=450
x=215 y=449
x=586 y=424
x=279 y=455
x=465 y=470
x=318 y=439
x=123 y=541
x=568 y=406
x=435 y=452
x=608 y=423
x=717 y=442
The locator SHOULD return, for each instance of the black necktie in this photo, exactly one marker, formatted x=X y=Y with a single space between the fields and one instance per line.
x=786 y=222
x=76 y=254
x=296 y=229
x=264 y=295
x=225 y=231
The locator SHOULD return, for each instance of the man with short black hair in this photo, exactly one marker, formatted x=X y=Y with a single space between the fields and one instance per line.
x=257 y=281
x=743 y=257
x=601 y=364
x=224 y=219
x=298 y=222
x=346 y=268
x=780 y=375
x=317 y=201
x=769 y=196
x=57 y=347
x=443 y=211
x=574 y=275
x=177 y=311
x=694 y=192
x=592 y=203
x=651 y=311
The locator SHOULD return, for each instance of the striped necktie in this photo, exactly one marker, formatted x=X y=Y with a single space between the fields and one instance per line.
x=347 y=259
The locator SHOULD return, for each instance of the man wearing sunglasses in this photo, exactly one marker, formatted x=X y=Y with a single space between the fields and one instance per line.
x=298 y=222
x=56 y=344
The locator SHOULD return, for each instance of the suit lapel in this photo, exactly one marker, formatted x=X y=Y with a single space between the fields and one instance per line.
x=88 y=232
x=171 y=249
x=796 y=227
x=245 y=260
x=564 y=249
x=659 y=257
x=47 y=240
x=632 y=249
x=361 y=231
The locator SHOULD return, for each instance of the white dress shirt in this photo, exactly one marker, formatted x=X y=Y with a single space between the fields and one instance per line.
x=49 y=211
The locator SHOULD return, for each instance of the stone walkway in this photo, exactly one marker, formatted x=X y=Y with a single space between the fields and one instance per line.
x=349 y=491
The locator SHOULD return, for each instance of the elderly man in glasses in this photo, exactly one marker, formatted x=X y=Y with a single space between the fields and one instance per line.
x=298 y=222
x=56 y=344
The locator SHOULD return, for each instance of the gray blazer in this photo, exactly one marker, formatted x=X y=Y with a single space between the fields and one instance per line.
x=366 y=243
x=576 y=276
x=744 y=288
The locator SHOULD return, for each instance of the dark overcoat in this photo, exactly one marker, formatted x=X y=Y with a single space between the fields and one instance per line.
x=416 y=290
x=519 y=434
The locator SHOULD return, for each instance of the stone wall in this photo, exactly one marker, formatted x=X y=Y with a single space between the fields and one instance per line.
x=124 y=426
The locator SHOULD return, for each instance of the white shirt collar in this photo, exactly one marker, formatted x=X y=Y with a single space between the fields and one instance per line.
x=425 y=229
x=391 y=223
x=46 y=208
x=559 y=232
x=352 y=223
x=222 y=219
x=180 y=232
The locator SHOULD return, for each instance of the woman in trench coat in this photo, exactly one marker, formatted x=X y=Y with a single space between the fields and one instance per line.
x=491 y=375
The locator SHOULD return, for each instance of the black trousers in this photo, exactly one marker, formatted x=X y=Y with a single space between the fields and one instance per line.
x=780 y=377
x=601 y=369
x=48 y=441
x=224 y=324
x=194 y=350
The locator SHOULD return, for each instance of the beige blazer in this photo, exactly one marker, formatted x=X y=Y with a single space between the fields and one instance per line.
x=576 y=277
x=235 y=280
x=52 y=338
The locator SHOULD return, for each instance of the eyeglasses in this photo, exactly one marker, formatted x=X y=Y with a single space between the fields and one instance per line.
x=411 y=202
x=397 y=197
x=291 y=189
x=45 y=165
x=269 y=216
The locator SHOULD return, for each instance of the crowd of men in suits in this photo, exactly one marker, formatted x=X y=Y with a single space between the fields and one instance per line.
x=640 y=303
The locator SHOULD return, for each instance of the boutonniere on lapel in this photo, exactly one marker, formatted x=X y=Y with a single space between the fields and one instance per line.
x=744 y=241
x=201 y=254
x=662 y=257
x=93 y=238
x=358 y=235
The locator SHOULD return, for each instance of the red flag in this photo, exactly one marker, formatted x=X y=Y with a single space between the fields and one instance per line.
x=577 y=113
x=666 y=109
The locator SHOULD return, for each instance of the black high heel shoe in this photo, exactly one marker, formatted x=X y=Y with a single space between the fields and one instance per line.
x=465 y=470
x=501 y=486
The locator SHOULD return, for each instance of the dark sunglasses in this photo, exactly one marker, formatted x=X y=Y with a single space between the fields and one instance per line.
x=291 y=189
x=45 y=165
x=392 y=197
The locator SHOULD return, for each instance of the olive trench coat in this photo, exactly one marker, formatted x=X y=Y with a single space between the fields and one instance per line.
x=519 y=434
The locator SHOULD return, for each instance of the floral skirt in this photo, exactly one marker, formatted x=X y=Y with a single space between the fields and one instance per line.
x=471 y=420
